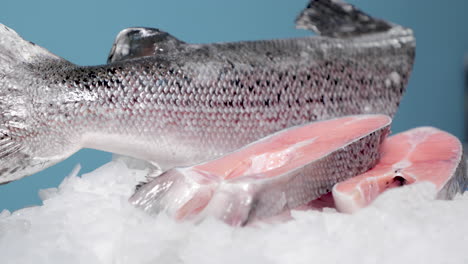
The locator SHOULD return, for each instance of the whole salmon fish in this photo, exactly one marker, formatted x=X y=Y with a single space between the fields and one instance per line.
x=188 y=103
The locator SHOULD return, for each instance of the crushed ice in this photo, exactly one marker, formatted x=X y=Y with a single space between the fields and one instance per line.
x=88 y=220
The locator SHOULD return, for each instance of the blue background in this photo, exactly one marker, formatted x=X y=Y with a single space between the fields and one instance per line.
x=83 y=32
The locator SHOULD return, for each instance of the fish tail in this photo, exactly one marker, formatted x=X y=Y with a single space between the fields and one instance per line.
x=335 y=18
x=21 y=152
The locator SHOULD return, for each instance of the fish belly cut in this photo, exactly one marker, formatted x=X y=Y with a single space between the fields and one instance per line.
x=282 y=171
x=424 y=154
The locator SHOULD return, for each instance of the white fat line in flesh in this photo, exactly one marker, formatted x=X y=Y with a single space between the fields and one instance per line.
x=269 y=161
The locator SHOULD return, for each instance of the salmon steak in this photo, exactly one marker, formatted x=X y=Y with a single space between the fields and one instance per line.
x=277 y=173
x=424 y=154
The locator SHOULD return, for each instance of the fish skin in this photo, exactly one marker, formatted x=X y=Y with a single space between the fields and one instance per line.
x=200 y=191
x=202 y=101
x=423 y=154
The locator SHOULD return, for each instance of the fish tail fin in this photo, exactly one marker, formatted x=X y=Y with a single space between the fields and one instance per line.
x=15 y=51
x=335 y=18
x=20 y=64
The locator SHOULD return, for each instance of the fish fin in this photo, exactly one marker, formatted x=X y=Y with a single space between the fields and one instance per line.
x=151 y=176
x=335 y=18
x=175 y=193
x=20 y=60
x=139 y=42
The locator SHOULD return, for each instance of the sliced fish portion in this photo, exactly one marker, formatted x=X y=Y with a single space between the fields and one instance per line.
x=421 y=154
x=280 y=172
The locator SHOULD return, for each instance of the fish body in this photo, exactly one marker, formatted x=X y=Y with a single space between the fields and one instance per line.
x=280 y=172
x=424 y=154
x=188 y=103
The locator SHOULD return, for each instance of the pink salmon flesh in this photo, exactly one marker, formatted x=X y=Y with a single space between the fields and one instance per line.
x=423 y=154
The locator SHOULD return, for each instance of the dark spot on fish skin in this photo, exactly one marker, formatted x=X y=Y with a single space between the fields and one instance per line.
x=111 y=71
x=32 y=43
x=322 y=99
x=92 y=75
x=399 y=180
x=308 y=77
x=278 y=96
x=294 y=77
x=267 y=83
x=105 y=83
x=328 y=77
x=280 y=76
x=231 y=64
x=3 y=171
x=386 y=183
x=267 y=102
x=251 y=88
x=241 y=103
x=258 y=82
x=14 y=170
